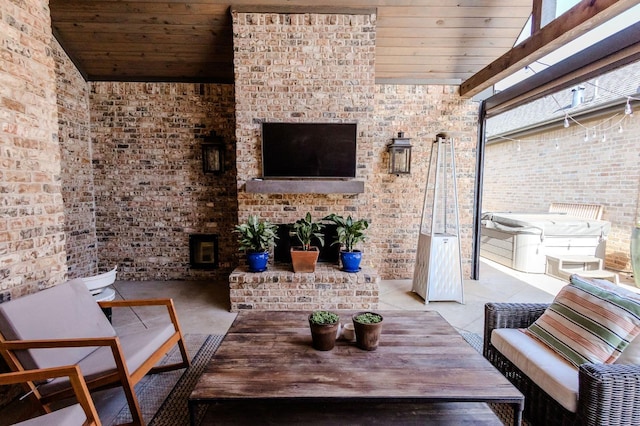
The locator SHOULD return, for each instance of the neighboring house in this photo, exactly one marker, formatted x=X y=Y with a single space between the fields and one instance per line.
x=532 y=159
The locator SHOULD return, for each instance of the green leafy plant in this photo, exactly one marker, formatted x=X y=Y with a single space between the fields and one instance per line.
x=368 y=318
x=350 y=232
x=306 y=229
x=255 y=235
x=324 y=317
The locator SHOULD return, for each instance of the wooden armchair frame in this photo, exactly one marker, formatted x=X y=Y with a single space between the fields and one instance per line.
x=121 y=376
x=77 y=383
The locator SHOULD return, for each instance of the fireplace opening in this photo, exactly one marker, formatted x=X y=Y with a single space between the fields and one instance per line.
x=203 y=251
x=328 y=253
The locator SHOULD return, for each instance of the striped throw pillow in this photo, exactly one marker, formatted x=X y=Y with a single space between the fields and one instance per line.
x=587 y=323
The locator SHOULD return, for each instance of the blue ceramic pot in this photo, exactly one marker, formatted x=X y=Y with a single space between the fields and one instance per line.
x=351 y=260
x=257 y=261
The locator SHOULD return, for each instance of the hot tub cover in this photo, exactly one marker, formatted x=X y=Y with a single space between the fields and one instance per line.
x=549 y=224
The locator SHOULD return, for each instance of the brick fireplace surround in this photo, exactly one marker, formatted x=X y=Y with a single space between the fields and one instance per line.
x=317 y=68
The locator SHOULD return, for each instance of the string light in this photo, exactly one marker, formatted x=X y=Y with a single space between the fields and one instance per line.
x=589 y=132
x=628 y=111
x=627 y=108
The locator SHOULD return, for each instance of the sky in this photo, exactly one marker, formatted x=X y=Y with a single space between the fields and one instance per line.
x=610 y=27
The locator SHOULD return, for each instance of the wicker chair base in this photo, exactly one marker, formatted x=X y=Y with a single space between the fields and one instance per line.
x=540 y=408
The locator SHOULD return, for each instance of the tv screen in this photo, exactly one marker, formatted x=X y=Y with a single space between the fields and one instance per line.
x=309 y=150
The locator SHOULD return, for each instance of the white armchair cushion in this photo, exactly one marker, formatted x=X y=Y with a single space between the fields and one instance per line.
x=71 y=415
x=547 y=369
x=62 y=305
x=631 y=355
x=137 y=348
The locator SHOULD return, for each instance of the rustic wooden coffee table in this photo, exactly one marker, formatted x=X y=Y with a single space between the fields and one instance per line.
x=266 y=364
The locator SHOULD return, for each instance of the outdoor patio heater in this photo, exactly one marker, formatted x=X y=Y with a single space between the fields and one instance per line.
x=438 y=271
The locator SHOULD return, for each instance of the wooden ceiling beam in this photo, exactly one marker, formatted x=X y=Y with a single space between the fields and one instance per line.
x=578 y=20
x=544 y=11
x=618 y=50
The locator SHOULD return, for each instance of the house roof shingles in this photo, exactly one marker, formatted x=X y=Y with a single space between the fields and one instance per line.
x=610 y=88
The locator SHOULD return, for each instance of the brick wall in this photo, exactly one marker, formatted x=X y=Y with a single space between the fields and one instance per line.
x=77 y=172
x=32 y=238
x=421 y=112
x=314 y=67
x=150 y=189
x=530 y=174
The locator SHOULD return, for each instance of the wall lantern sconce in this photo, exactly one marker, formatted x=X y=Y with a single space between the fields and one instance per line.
x=213 y=154
x=400 y=155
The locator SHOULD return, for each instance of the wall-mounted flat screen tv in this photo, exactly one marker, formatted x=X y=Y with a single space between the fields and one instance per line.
x=309 y=150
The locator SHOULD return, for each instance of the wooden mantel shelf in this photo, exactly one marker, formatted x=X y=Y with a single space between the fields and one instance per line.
x=304 y=186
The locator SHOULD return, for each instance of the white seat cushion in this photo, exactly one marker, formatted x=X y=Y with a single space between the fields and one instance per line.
x=61 y=312
x=137 y=347
x=548 y=370
x=631 y=355
x=71 y=415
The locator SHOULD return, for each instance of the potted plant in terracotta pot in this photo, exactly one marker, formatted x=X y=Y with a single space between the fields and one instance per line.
x=349 y=233
x=256 y=237
x=324 y=329
x=304 y=257
x=368 y=326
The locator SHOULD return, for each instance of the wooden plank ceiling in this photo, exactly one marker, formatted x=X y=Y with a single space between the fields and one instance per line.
x=417 y=41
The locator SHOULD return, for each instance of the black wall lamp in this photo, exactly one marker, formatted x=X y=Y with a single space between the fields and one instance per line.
x=400 y=155
x=213 y=154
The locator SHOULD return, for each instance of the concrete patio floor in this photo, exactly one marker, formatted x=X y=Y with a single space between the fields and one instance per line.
x=203 y=306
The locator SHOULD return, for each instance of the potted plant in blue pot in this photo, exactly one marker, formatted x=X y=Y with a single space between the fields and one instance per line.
x=256 y=237
x=349 y=233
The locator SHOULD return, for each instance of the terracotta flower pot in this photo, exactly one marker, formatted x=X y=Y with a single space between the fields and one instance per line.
x=367 y=335
x=304 y=260
x=323 y=336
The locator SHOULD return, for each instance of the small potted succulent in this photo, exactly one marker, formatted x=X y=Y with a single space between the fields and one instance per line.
x=349 y=233
x=368 y=326
x=256 y=238
x=324 y=329
x=305 y=257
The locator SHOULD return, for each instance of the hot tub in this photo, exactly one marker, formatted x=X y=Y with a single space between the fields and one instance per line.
x=522 y=241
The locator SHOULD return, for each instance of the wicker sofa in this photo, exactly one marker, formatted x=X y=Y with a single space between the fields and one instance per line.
x=609 y=394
